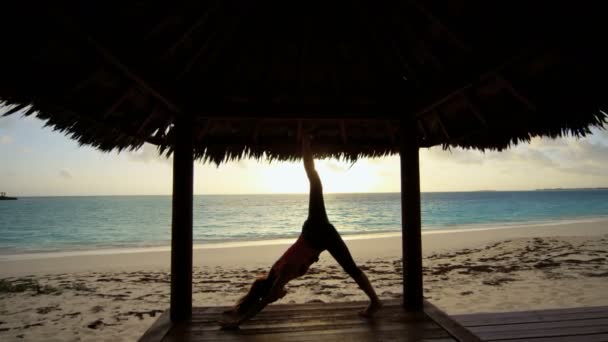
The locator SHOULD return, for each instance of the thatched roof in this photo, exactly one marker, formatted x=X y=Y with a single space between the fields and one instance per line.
x=256 y=74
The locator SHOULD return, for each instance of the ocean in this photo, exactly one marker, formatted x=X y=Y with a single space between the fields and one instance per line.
x=51 y=224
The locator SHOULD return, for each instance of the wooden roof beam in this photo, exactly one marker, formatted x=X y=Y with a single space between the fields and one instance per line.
x=441 y=125
x=475 y=110
x=256 y=131
x=117 y=103
x=110 y=58
x=390 y=130
x=411 y=74
x=203 y=132
x=509 y=86
x=343 y=131
x=198 y=23
x=127 y=72
x=143 y=125
x=439 y=24
x=491 y=73
x=205 y=46
x=425 y=133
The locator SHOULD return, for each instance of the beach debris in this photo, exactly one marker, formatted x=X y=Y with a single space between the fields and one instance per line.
x=79 y=286
x=497 y=281
x=26 y=284
x=46 y=309
x=140 y=314
x=546 y=263
x=97 y=309
x=71 y=314
x=597 y=275
x=95 y=324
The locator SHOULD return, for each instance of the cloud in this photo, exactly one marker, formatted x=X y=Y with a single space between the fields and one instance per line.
x=146 y=154
x=455 y=155
x=65 y=174
x=336 y=167
x=6 y=121
x=6 y=139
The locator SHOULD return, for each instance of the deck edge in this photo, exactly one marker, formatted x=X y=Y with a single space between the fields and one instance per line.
x=455 y=329
x=159 y=329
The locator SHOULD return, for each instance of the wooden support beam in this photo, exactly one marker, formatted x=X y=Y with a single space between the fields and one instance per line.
x=181 y=220
x=411 y=216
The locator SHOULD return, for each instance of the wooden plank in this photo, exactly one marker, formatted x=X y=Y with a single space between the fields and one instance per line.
x=532 y=316
x=313 y=322
x=359 y=332
x=600 y=322
x=329 y=320
x=569 y=338
x=540 y=333
x=410 y=215
x=181 y=221
x=158 y=330
x=456 y=330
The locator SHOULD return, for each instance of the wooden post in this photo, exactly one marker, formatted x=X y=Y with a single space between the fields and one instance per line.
x=410 y=216
x=181 y=221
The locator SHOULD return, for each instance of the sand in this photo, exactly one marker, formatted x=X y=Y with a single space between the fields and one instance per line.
x=116 y=295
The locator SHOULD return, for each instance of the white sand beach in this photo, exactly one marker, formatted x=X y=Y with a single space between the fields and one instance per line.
x=116 y=295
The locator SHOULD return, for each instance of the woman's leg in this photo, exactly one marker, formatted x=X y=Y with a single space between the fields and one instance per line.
x=339 y=251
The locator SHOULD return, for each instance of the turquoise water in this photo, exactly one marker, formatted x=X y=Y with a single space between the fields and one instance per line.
x=75 y=223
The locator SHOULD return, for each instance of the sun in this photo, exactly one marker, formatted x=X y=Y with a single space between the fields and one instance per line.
x=337 y=176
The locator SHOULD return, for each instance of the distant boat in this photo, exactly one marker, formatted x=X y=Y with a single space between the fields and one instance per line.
x=3 y=197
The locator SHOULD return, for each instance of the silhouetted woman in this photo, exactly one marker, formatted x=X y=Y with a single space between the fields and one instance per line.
x=317 y=236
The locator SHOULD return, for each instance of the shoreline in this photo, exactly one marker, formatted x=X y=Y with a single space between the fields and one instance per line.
x=166 y=247
x=264 y=253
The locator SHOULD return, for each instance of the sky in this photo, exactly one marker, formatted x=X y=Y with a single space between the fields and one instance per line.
x=37 y=161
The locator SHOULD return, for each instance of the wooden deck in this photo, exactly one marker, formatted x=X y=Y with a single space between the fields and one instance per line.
x=315 y=322
x=576 y=324
x=340 y=322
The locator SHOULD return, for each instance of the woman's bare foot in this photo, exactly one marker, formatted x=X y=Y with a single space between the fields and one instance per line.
x=229 y=325
x=372 y=308
x=230 y=319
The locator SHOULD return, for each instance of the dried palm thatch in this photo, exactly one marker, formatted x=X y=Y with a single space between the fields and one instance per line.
x=254 y=75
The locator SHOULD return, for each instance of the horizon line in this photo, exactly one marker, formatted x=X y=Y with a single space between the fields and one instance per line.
x=304 y=193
